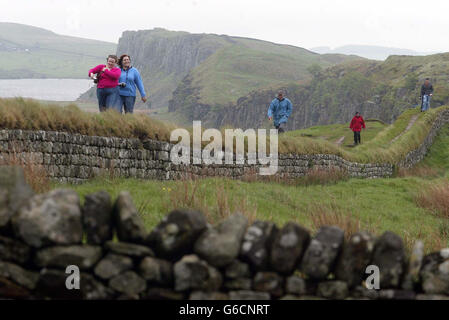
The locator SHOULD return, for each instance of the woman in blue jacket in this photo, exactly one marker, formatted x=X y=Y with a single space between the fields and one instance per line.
x=129 y=80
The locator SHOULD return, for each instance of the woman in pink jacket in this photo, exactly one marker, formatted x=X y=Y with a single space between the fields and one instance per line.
x=107 y=76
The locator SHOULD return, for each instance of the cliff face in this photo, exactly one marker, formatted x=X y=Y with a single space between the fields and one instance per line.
x=221 y=67
x=381 y=90
x=164 y=58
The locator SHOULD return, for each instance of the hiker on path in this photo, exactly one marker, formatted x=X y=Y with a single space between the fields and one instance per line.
x=426 y=94
x=357 y=123
x=106 y=77
x=280 y=109
x=129 y=80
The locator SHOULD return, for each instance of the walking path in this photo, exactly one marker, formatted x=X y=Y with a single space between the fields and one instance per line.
x=410 y=124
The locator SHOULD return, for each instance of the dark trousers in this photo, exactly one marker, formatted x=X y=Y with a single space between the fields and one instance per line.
x=357 y=137
x=281 y=127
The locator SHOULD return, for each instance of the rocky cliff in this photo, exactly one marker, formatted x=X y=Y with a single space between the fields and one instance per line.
x=224 y=68
x=380 y=90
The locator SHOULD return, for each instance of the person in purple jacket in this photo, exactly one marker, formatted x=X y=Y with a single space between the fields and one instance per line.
x=130 y=79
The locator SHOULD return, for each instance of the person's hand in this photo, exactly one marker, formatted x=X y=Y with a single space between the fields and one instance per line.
x=91 y=75
x=431 y=94
x=104 y=69
x=144 y=99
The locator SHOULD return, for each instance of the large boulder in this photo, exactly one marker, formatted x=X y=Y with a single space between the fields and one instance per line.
x=270 y=282
x=411 y=278
x=220 y=245
x=129 y=249
x=13 y=250
x=18 y=275
x=435 y=273
x=337 y=290
x=112 y=265
x=237 y=269
x=176 y=233
x=356 y=256
x=50 y=219
x=92 y=289
x=248 y=295
x=192 y=273
x=257 y=243
x=14 y=193
x=389 y=257
x=52 y=283
x=295 y=285
x=97 y=217
x=84 y=257
x=288 y=246
x=156 y=271
x=158 y=293
x=129 y=225
x=322 y=252
x=129 y=283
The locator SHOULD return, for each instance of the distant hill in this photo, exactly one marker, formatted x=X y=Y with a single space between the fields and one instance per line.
x=31 y=52
x=369 y=52
x=213 y=69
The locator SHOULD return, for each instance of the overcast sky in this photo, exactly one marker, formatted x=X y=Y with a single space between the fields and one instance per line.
x=419 y=25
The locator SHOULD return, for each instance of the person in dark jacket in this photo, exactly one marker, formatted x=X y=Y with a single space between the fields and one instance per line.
x=357 y=123
x=280 y=109
x=426 y=94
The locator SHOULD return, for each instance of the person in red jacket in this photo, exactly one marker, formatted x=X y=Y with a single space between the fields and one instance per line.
x=107 y=76
x=357 y=123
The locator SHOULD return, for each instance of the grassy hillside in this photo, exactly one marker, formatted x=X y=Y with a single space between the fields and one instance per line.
x=246 y=64
x=222 y=68
x=31 y=52
x=376 y=205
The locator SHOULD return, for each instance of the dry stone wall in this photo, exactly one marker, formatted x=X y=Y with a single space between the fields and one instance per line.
x=75 y=158
x=184 y=257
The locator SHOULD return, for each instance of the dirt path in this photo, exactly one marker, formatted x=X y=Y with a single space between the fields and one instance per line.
x=410 y=124
x=339 y=141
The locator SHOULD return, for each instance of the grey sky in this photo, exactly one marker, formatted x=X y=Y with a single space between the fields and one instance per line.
x=412 y=24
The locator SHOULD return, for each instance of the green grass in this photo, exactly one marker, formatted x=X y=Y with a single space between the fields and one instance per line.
x=334 y=132
x=380 y=204
x=438 y=156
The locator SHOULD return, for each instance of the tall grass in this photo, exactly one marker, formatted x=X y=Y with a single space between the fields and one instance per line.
x=35 y=174
x=435 y=198
x=190 y=194
x=27 y=114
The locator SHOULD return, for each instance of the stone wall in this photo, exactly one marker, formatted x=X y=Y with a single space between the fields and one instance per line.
x=415 y=156
x=184 y=257
x=76 y=158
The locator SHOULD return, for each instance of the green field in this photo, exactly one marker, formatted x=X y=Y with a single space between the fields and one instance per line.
x=334 y=132
x=31 y=52
x=376 y=205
